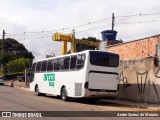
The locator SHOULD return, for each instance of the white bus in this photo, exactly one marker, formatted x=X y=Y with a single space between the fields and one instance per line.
x=86 y=74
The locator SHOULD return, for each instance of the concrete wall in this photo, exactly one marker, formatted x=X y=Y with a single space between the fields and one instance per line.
x=136 y=49
x=140 y=80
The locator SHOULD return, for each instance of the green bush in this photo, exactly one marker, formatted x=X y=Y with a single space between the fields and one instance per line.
x=18 y=65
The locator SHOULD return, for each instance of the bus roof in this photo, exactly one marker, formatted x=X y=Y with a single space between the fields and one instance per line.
x=85 y=51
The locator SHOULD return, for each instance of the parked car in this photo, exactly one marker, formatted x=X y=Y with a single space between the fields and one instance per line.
x=21 y=78
x=1 y=80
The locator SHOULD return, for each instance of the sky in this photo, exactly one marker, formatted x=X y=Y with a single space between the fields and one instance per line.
x=33 y=22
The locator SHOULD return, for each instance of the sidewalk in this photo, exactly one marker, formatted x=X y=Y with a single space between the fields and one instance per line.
x=150 y=106
x=16 y=83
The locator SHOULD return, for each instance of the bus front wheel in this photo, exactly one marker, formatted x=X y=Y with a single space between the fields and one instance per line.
x=37 y=91
x=64 y=94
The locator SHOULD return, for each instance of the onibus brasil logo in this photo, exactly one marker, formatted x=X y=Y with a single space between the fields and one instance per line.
x=50 y=78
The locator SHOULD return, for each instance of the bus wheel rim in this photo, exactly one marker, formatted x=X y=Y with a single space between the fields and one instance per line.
x=37 y=91
x=64 y=94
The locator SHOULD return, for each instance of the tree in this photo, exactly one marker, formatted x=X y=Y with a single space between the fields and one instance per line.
x=13 y=50
x=84 y=47
x=4 y=59
x=13 y=46
x=18 y=65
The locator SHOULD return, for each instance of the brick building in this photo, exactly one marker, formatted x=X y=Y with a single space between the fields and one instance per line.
x=136 y=49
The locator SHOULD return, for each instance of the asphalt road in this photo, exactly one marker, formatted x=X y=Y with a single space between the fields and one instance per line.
x=14 y=99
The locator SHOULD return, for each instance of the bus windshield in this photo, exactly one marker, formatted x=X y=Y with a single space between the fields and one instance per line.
x=104 y=59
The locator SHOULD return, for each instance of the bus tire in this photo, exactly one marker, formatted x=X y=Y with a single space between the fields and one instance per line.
x=37 y=91
x=64 y=96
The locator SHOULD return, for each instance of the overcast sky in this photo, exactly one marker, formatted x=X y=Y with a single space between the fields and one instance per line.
x=33 y=22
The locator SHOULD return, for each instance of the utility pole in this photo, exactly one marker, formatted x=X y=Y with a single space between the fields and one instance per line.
x=113 y=20
x=3 y=41
x=2 y=66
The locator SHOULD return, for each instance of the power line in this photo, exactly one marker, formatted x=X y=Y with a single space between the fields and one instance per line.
x=146 y=14
x=137 y=22
x=89 y=23
x=137 y=15
x=109 y=25
x=86 y=24
x=40 y=32
x=29 y=34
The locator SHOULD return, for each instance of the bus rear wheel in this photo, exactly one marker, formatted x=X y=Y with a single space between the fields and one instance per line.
x=64 y=94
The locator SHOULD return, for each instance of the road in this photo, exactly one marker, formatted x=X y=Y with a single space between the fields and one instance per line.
x=15 y=99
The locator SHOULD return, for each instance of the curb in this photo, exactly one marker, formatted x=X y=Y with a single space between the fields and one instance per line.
x=153 y=108
x=8 y=84
x=134 y=104
x=22 y=88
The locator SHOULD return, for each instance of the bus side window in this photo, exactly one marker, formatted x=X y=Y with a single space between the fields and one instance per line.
x=32 y=72
x=73 y=62
x=61 y=62
x=66 y=63
x=33 y=67
x=38 y=66
x=50 y=65
x=44 y=66
x=80 y=61
x=57 y=64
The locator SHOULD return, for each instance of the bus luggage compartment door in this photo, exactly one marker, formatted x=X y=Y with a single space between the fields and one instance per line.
x=103 y=81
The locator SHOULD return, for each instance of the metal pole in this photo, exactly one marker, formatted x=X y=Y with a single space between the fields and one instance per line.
x=3 y=41
x=73 y=43
x=3 y=67
x=26 y=77
x=113 y=19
